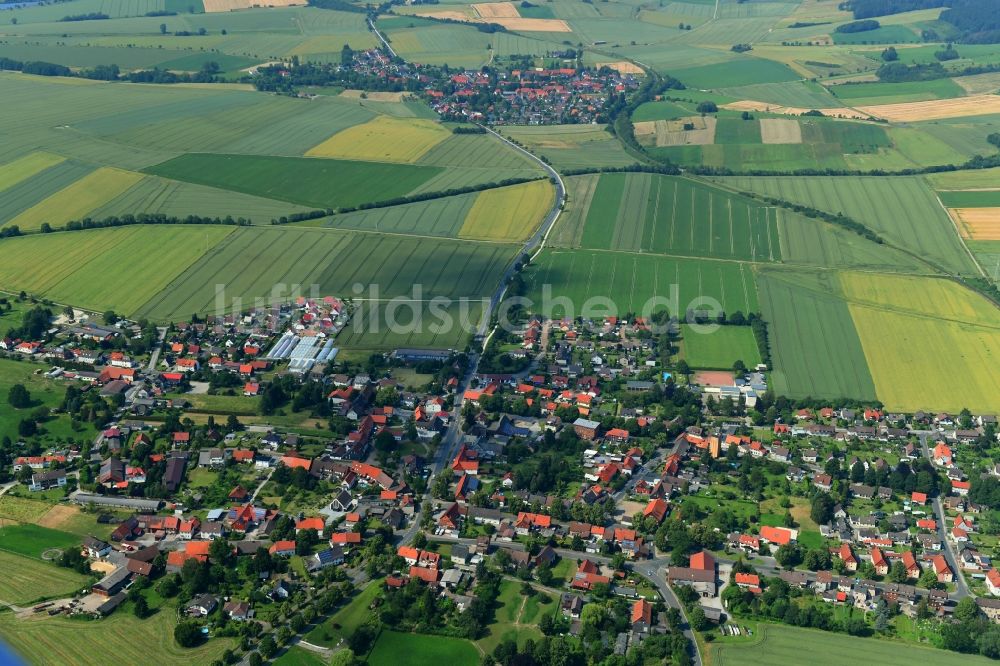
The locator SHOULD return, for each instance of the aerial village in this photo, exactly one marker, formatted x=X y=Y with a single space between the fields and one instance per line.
x=686 y=500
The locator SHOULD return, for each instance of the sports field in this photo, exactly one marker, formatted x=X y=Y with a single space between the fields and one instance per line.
x=930 y=343
x=77 y=200
x=383 y=139
x=26 y=580
x=322 y=183
x=89 y=269
x=902 y=209
x=631 y=281
x=721 y=348
x=815 y=349
x=60 y=640
x=508 y=213
x=779 y=644
x=668 y=215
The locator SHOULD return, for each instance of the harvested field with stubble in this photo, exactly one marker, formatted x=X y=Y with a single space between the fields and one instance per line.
x=981 y=224
x=835 y=112
x=937 y=109
x=532 y=24
x=496 y=9
x=780 y=130
x=383 y=139
x=673 y=132
x=216 y=6
x=26 y=580
x=77 y=200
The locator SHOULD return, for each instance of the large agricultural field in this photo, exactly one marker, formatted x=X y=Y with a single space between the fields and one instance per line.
x=815 y=348
x=677 y=216
x=928 y=341
x=640 y=283
x=783 y=644
x=903 y=210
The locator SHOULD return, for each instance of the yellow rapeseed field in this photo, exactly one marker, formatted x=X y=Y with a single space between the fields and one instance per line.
x=930 y=343
x=508 y=213
x=383 y=139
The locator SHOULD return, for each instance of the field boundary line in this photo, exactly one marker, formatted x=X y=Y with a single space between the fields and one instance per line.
x=958 y=233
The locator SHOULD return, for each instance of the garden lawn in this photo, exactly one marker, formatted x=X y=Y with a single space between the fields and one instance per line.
x=299 y=656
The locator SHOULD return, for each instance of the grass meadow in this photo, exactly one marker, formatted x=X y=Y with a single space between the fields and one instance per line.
x=32 y=540
x=43 y=391
x=26 y=580
x=60 y=640
x=777 y=644
x=422 y=650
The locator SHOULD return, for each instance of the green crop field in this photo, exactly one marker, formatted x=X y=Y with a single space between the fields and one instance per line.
x=26 y=580
x=437 y=217
x=61 y=640
x=77 y=200
x=422 y=650
x=928 y=341
x=862 y=94
x=779 y=644
x=813 y=242
x=630 y=281
x=668 y=215
x=321 y=183
x=815 y=349
x=721 y=348
x=80 y=267
x=509 y=213
x=960 y=180
x=737 y=72
x=904 y=210
x=416 y=325
x=25 y=167
x=971 y=198
x=268 y=263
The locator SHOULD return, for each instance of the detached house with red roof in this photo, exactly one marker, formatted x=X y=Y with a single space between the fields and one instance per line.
x=845 y=554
